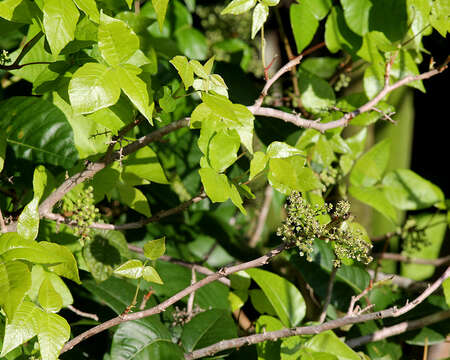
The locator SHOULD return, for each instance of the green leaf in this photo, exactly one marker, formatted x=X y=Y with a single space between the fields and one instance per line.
x=223 y=148
x=151 y=275
x=160 y=7
x=319 y=8
x=284 y=297
x=89 y=7
x=446 y=287
x=38 y=131
x=38 y=275
x=439 y=16
x=104 y=252
x=370 y=167
x=207 y=328
x=357 y=13
x=15 y=280
x=200 y=70
x=53 y=332
x=131 y=269
x=184 y=69
x=155 y=248
x=236 y=198
x=338 y=35
x=268 y=349
x=143 y=164
x=281 y=150
x=60 y=21
x=135 y=88
x=404 y=65
x=317 y=94
x=435 y=227
x=261 y=303
x=7 y=8
x=216 y=185
x=376 y=198
x=290 y=174
x=257 y=164
x=134 y=198
x=21 y=328
x=167 y=102
x=328 y=342
x=39 y=181
x=144 y=340
x=408 y=191
x=323 y=67
x=240 y=280
x=92 y=87
x=2 y=151
x=116 y=41
x=28 y=223
x=192 y=43
x=260 y=14
x=426 y=337
x=237 y=299
x=322 y=152
x=304 y=24
x=237 y=7
x=49 y=299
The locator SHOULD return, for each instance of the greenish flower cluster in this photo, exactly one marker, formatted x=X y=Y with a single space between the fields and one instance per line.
x=302 y=227
x=342 y=82
x=4 y=57
x=84 y=213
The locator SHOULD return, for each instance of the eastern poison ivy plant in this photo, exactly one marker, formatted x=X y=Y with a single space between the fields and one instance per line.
x=146 y=172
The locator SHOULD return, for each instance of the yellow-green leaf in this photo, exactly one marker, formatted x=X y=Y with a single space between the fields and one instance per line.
x=155 y=248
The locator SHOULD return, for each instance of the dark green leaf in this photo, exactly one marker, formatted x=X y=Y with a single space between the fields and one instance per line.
x=192 y=43
x=208 y=328
x=328 y=342
x=37 y=130
x=376 y=198
x=317 y=94
x=323 y=67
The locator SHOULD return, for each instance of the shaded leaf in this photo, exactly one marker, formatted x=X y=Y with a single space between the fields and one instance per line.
x=376 y=198
x=208 y=328
x=37 y=130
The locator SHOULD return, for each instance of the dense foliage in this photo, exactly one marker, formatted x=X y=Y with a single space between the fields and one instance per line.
x=153 y=152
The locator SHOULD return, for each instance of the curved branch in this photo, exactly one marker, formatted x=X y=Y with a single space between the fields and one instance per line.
x=409 y=260
x=172 y=300
x=316 y=329
x=256 y=109
x=399 y=328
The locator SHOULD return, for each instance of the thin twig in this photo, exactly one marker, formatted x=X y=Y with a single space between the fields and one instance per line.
x=94 y=167
x=399 y=328
x=401 y=281
x=175 y=298
x=268 y=195
x=323 y=315
x=82 y=313
x=295 y=119
x=316 y=329
x=132 y=225
x=26 y=48
x=351 y=309
x=190 y=303
x=409 y=260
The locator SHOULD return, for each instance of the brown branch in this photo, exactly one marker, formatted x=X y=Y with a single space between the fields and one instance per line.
x=132 y=225
x=268 y=195
x=409 y=260
x=82 y=313
x=399 y=328
x=94 y=167
x=323 y=315
x=26 y=48
x=3 y=227
x=316 y=329
x=351 y=308
x=256 y=109
x=172 y=300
